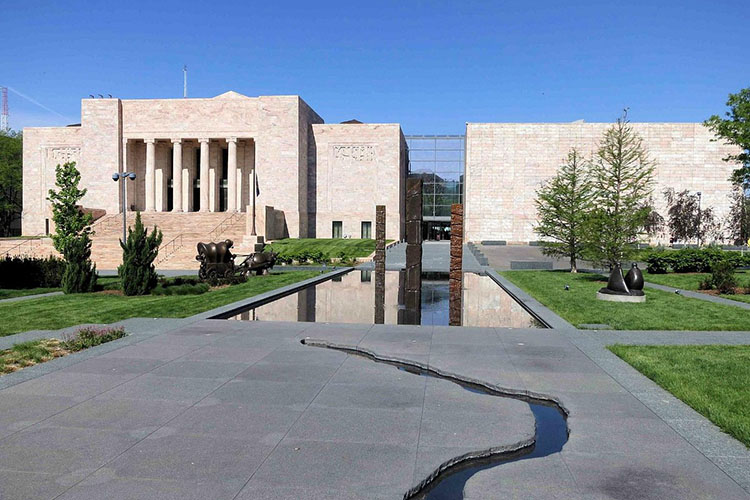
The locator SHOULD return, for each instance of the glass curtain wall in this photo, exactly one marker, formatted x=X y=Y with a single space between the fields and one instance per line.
x=439 y=161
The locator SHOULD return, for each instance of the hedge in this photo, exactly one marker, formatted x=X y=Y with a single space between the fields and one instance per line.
x=31 y=272
x=693 y=260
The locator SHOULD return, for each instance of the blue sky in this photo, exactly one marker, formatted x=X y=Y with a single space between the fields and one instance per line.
x=431 y=66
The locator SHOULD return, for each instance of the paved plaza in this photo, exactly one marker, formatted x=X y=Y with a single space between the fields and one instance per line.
x=219 y=409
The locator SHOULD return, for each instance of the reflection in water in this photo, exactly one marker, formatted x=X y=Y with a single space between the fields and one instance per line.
x=353 y=298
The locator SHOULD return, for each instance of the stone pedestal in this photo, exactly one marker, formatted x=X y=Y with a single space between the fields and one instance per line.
x=456 y=264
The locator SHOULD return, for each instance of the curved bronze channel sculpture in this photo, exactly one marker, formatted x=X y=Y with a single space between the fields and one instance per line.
x=448 y=480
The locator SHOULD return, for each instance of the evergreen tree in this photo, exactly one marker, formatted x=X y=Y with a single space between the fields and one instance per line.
x=622 y=177
x=72 y=237
x=563 y=203
x=137 y=272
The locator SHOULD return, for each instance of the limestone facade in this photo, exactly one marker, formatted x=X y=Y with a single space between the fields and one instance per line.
x=507 y=162
x=194 y=155
x=324 y=180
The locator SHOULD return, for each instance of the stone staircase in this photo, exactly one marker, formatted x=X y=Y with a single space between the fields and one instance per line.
x=182 y=232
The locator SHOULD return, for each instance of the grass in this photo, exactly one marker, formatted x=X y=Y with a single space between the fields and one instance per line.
x=331 y=248
x=67 y=310
x=712 y=379
x=661 y=311
x=9 y=293
x=34 y=352
x=690 y=281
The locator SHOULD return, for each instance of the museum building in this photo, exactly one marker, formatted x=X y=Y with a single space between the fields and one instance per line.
x=196 y=160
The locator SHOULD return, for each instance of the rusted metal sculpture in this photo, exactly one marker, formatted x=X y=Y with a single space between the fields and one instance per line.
x=623 y=289
x=456 y=264
x=217 y=261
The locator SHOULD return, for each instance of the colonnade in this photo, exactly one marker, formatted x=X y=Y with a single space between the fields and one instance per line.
x=154 y=181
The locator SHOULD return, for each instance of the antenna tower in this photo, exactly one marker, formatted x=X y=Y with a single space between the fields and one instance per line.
x=4 y=116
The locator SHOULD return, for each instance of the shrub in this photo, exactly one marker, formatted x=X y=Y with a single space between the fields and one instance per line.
x=693 y=260
x=137 y=272
x=80 y=274
x=234 y=279
x=722 y=278
x=90 y=336
x=31 y=272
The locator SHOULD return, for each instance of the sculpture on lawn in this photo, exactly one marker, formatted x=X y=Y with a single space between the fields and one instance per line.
x=218 y=261
x=623 y=289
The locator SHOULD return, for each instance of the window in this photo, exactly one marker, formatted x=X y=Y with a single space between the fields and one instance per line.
x=366 y=229
x=337 y=231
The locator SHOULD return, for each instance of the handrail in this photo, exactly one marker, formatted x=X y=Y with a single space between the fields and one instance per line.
x=30 y=241
x=224 y=225
x=169 y=248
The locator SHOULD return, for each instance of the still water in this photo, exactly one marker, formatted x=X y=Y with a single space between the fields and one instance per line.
x=352 y=298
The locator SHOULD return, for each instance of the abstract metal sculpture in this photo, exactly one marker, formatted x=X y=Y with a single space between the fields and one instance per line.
x=217 y=261
x=623 y=289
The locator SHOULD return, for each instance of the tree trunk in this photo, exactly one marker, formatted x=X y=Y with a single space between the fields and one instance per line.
x=573 y=268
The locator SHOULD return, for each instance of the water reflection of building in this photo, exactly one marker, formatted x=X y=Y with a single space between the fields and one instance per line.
x=351 y=299
x=486 y=304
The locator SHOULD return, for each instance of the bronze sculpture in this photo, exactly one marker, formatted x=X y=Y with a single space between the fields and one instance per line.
x=217 y=261
x=623 y=289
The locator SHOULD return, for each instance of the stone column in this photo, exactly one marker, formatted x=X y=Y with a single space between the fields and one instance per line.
x=177 y=175
x=379 y=264
x=232 y=174
x=456 y=265
x=204 y=170
x=150 y=175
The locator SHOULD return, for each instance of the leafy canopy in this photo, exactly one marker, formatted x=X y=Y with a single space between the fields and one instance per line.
x=11 y=161
x=734 y=128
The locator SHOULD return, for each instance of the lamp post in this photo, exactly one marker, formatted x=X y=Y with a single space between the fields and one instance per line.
x=699 y=219
x=123 y=177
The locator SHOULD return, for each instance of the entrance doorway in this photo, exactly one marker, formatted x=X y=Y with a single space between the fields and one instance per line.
x=436 y=231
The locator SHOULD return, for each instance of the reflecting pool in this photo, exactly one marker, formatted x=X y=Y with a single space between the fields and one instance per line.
x=354 y=298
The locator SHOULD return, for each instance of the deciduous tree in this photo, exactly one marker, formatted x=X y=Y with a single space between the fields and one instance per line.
x=11 y=160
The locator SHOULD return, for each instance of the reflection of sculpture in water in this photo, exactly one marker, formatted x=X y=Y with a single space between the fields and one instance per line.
x=623 y=289
x=217 y=261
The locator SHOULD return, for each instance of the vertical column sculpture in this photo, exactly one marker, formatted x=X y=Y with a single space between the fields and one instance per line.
x=379 y=264
x=205 y=183
x=413 y=278
x=150 y=175
x=232 y=174
x=456 y=275
x=177 y=175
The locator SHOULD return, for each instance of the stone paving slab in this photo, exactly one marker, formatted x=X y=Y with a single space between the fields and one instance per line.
x=231 y=409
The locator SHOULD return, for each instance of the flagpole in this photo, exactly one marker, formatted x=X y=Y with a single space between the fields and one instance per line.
x=255 y=190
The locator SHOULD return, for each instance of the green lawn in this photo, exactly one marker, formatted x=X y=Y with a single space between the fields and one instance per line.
x=67 y=310
x=713 y=379
x=331 y=248
x=661 y=311
x=690 y=281
x=9 y=293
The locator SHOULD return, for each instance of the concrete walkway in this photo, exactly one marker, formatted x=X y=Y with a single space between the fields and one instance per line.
x=227 y=409
x=27 y=297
